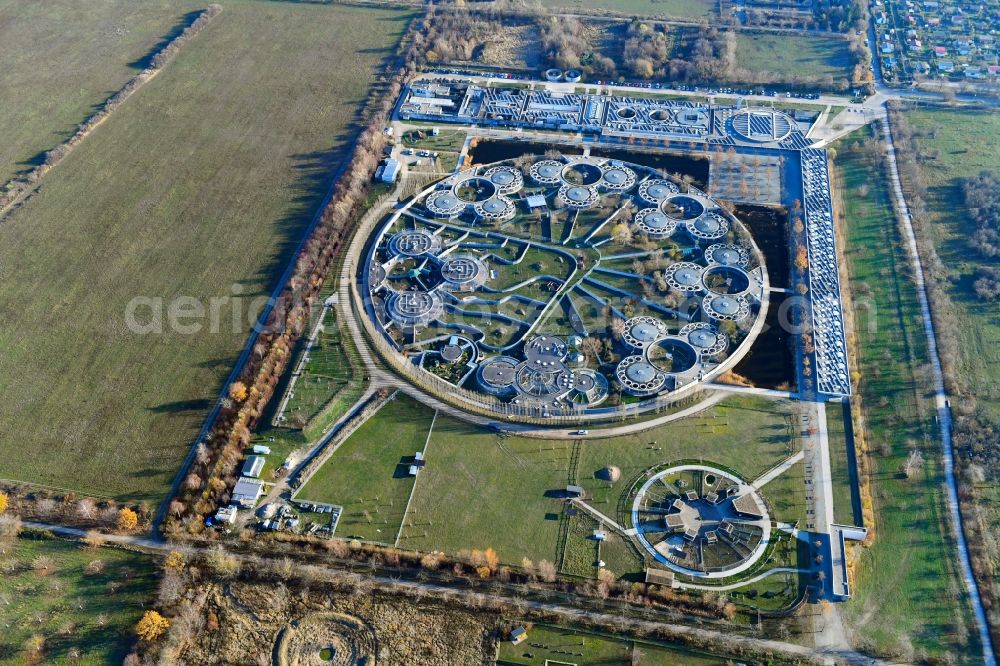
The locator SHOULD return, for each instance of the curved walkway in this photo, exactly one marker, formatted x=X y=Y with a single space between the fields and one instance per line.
x=742 y=583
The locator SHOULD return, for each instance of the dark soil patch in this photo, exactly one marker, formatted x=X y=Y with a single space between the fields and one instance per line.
x=771 y=361
x=769 y=227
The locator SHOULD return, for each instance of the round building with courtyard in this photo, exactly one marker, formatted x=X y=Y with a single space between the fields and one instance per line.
x=562 y=286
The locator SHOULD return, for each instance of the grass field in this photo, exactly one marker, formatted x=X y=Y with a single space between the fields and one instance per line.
x=367 y=475
x=46 y=590
x=789 y=55
x=202 y=181
x=509 y=488
x=746 y=434
x=969 y=142
x=843 y=511
x=101 y=44
x=907 y=598
x=556 y=645
x=679 y=9
x=478 y=492
x=327 y=372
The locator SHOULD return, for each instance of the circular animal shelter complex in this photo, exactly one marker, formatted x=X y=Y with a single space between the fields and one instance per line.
x=571 y=285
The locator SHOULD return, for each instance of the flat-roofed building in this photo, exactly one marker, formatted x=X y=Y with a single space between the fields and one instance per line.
x=253 y=466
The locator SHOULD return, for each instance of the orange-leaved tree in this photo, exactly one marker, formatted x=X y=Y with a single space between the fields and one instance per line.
x=151 y=626
x=128 y=520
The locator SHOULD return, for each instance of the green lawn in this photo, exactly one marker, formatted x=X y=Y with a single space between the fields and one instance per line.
x=969 y=142
x=46 y=590
x=843 y=511
x=508 y=487
x=327 y=372
x=791 y=55
x=446 y=140
x=582 y=551
x=367 y=475
x=480 y=491
x=906 y=593
x=555 y=645
x=749 y=435
x=197 y=187
x=64 y=59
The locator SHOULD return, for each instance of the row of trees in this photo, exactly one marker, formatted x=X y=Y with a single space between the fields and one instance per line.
x=70 y=509
x=213 y=471
x=188 y=608
x=824 y=15
x=19 y=186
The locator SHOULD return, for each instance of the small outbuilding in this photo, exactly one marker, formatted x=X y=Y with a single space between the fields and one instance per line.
x=536 y=201
x=247 y=492
x=659 y=577
x=518 y=635
x=253 y=466
x=226 y=515
x=389 y=172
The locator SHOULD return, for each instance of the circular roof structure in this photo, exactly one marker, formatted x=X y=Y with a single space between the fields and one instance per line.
x=638 y=377
x=413 y=308
x=618 y=178
x=547 y=172
x=496 y=209
x=726 y=308
x=762 y=125
x=641 y=372
x=444 y=204
x=709 y=226
x=496 y=375
x=577 y=196
x=727 y=255
x=654 y=223
x=700 y=521
x=684 y=276
x=473 y=268
x=506 y=179
x=640 y=332
x=655 y=190
x=414 y=243
x=705 y=338
x=463 y=271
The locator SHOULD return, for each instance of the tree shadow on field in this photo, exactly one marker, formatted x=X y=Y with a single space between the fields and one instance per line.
x=175 y=32
x=178 y=406
x=59 y=136
x=317 y=174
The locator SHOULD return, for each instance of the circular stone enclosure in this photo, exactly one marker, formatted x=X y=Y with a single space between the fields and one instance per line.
x=582 y=173
x=725 y=280
x=474 y=190
x=682 y=207
x=700 y=521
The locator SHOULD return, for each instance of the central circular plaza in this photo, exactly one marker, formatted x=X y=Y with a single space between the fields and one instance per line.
x=700 y=521
x=554 y=286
